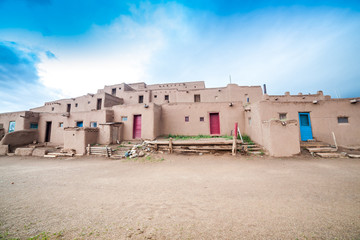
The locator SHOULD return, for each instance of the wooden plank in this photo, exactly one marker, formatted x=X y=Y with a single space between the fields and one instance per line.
x=194 y=142
x=233 y=150
x=324 y=149
x=170 y=145
x=329 y=155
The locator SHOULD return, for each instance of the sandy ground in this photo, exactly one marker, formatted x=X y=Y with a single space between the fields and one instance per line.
x=180 y=197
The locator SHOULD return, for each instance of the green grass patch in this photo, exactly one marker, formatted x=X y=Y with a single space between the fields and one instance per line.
x=200 y=136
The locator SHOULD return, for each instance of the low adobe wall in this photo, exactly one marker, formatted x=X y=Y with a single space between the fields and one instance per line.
x=110 y=133
x=79 y=138
x=281 y=138
x=19 y=138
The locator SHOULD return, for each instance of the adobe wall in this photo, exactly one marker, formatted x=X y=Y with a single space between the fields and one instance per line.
x=173 y=118
x=57 y=132
x=79 y=104
x=110 y=133
x=22 y=120
x=79 y=138
x=281 y=138
x=147 y=119
x=323 y=117
x=19 y=138
x=178 y=93
x=253 y=123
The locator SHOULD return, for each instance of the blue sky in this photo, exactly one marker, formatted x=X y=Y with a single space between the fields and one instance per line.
x=51 y=49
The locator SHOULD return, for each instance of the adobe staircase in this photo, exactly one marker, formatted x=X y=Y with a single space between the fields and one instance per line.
x=252 y=148
x=321 y=149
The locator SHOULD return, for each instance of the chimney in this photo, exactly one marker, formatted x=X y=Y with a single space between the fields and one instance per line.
x=264 y=88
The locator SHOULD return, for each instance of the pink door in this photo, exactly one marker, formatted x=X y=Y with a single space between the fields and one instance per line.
x=214 y=123
x=137 y=126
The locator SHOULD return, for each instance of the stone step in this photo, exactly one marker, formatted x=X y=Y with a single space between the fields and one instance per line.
x=254 y=149
x=321 y=149
x=314 y=144
x=329 y=155
x=354 y=155
x=256 y=153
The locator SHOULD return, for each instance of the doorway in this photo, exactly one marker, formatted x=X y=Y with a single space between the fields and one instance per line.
x=48 y=132
x=305 y=126
x=214 y=123
x=137 y=126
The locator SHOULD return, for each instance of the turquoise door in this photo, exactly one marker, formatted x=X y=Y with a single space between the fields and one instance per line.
x=305 y=126
x=11 y=126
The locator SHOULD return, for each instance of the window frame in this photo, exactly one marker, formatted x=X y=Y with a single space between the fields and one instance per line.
x=341 y=118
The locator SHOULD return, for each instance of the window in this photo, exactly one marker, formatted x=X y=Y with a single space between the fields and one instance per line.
x=343 y=120
x=197 y=98
x=34 y=125
x=124 y=118
x=79 y=123
x=201 y=119
x=155 y=96
x=68 y=108
x=186 y=118
x=93 y=124
x=167 y=97
x=52 y=109
x=247 y=99
x=141 y=99
x=11 y=126
x=119 y=88
x=88 y=102
x=1 y=125
x=249 y=119
x=61 y=124
x=76 y=105
x=113 y=91
x=282 y=116
x=99 y=103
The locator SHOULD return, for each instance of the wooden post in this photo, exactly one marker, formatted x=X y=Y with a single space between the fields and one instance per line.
x=333 y=134
x=106 y=149
x=88 y=150
x=234 y=146
x=170 y=146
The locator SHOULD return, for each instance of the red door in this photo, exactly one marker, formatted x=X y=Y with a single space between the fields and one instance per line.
x=137 y=126
x=214 y=123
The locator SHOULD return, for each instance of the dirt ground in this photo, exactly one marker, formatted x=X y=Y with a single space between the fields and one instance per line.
x=180 y=197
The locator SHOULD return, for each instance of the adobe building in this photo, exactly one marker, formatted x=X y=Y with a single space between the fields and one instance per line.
x=140 y=111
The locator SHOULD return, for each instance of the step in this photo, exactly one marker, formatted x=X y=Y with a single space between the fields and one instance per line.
x=329 y=155
x=254 y=149
x=354 y=155
x=321 y=150
x=314 y=144
x=256 y=153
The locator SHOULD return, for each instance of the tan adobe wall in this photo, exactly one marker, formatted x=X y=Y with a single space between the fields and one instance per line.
x=110 y=133
x=80 y=104
x=79 y=138
x=281 y=139
x=323 y=116
x=57 y=132
x=297 y=98
x=22 y=120
x=173 y=118
x=230 y=93
x=110 y=100
x=178 y=86
x=19 y=138
x=147 y=119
